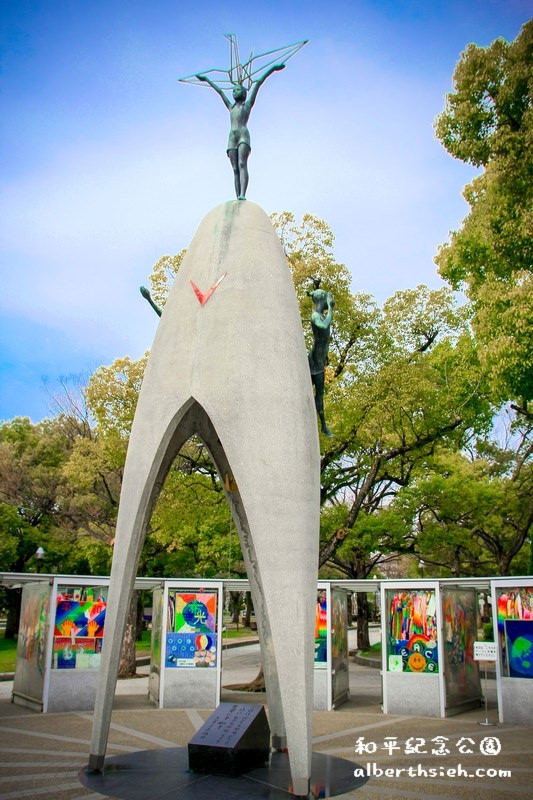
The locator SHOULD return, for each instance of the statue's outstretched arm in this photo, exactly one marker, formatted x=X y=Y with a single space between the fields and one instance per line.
x=257 y=85
x=217 y=89
x=147 y=296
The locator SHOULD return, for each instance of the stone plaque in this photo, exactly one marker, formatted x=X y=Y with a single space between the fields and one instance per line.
x=234 y=739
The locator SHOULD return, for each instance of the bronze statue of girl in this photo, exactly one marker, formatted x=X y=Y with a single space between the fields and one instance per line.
x=239 y=147
x=240 y=79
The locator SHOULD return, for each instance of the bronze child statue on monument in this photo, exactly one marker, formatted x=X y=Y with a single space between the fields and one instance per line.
x=240 y=79
x=239 y=147
x=318 y=355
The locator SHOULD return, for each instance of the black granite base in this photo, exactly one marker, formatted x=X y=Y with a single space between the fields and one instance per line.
x=165 y=775
x=235 y=739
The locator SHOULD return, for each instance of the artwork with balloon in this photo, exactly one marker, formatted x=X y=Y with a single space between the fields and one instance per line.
x=191 y=629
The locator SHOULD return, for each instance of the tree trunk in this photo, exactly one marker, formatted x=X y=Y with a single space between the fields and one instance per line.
x=13 y=613
x=235 y=607
x=248 y=615
x=139 y=621
x=127 y=666
x=257 y=685
x=363 y=616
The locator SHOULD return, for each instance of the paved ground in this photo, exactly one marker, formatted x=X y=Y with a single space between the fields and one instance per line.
x=42 y=754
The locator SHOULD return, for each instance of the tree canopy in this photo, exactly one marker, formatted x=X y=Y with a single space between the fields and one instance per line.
x=488 y=122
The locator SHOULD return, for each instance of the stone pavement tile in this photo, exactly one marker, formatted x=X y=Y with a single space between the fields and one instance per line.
x=8 y=709
x=422 y=784
x=41 y=754
x=66 y=724
x=175 y=725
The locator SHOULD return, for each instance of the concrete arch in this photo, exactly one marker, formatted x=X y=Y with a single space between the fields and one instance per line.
x=229 y=354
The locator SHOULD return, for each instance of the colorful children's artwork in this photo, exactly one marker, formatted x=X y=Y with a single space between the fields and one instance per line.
x=191 y=629
x=519 y=641
x=83 y=654
x=412 y=630
x=461 y=672
x=33 y=619
x=513 y=604
x=79 y=627
x=321 y=631
x=80 y=613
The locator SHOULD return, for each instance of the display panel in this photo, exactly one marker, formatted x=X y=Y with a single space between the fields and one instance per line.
x=31 y=643
x=519 y=641
x=79 y=627
x=412 y=631
x=191 y=629
x=321 y=631
x=461 y=672
x=515 y=604
x=339 y=645
x=155 y=656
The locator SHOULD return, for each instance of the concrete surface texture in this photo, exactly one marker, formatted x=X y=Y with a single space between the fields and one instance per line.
x=42 y=754
x=229 y=364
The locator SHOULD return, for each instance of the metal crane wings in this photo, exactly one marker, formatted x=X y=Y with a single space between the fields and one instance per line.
x=248 y=73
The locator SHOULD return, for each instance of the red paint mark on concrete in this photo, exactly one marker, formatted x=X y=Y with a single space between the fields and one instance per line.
x=203 y=298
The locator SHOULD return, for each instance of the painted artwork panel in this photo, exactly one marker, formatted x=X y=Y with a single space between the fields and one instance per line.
x=412 y=629
x=83 y=653
x=31 y=642
x=339 y=645
x=79 y=627
x=321 y=631
x=512 y=604
x=155 y=650
x=519 y=641
x=191 y=630
x=81 y=611
x=461 y=672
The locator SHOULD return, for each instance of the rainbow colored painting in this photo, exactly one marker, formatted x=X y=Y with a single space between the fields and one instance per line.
x=413 y=630
x=321 y=631
x=79 y=627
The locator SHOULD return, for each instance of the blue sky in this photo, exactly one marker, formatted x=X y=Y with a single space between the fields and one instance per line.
x=108 y=163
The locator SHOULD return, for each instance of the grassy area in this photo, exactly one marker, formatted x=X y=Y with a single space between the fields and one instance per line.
x=8 y=650
x=8 y=647
x=145 y=643
x=373 y=652
x=8 y=653
x=242 y=633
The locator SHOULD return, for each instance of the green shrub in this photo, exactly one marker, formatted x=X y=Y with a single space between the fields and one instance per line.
x=488 y=632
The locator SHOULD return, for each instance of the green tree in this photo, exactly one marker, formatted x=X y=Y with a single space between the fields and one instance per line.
x=488 y=122
x=402 y=381
x=32 y=503
x=190 y=533
x=95 y=467
x=418 y=392
x=33 y=484
x=471 y=513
